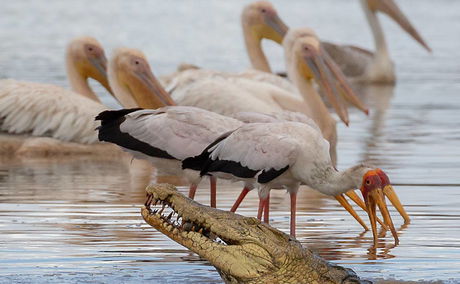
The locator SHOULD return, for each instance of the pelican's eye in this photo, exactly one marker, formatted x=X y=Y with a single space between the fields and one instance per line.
x=263 y=10
x=137 y=62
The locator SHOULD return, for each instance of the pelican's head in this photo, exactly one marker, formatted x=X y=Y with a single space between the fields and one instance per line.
x=86 y=56
x=262 y=19
x=133 y=81
x=310 y=62
x=390 y=8
x=372 y=191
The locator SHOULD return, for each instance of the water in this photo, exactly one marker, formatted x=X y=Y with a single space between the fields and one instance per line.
x=77 y=219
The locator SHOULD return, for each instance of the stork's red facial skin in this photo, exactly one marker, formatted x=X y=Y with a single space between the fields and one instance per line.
x=371 y=189
x=383 y=177
x=371 y=181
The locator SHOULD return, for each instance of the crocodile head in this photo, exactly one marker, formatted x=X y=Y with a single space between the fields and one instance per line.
x=243 y=249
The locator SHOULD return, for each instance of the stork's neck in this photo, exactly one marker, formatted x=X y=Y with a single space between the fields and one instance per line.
x=254 y=50
x=326 y=179
x=78 y=82
x=381 y=49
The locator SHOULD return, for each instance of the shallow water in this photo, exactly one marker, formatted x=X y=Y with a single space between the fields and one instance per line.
x=72 y=220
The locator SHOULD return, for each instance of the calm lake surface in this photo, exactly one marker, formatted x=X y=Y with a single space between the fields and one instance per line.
x=77 y=219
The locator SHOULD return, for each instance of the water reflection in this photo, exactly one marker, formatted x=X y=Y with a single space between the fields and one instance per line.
x=87 y=212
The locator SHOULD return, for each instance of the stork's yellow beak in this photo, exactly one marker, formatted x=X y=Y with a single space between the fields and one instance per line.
x=373 y=196
x=389 y=192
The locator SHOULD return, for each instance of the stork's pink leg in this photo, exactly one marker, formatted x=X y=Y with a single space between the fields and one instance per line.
x=293 y=211
x=267 y=209
x=261 y=208
x=213 y=182
x=238 y=201
x=192 y=191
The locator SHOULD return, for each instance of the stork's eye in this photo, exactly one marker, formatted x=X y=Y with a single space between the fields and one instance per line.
x=368 y=182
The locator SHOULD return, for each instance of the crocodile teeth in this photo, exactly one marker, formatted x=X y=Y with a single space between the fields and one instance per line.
x=148 y=201
x=162 y=208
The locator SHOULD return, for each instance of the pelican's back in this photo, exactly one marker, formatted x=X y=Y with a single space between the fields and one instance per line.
x=47 y=110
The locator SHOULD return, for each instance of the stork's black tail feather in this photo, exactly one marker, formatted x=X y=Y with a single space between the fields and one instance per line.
x=110 y=123
x=109 y=131
x=109 y=116
x=202 y=161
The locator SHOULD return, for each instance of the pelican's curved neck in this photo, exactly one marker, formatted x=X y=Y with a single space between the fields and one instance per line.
x=318 y=110
x=254 y=50
x=120 y=92
x=78 y=82
x=381 y=49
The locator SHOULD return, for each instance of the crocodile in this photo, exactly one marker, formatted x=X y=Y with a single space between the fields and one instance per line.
x=242 y=249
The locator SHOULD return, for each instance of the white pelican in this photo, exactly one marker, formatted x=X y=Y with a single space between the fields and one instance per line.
x=362 y=65
x=48 y=110
x=226 y=94
x=35 y=109
x=285 y=155
x=133 y=82
x=260 y=20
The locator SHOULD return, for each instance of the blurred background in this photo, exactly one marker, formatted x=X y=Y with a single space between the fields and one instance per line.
x=77 y=219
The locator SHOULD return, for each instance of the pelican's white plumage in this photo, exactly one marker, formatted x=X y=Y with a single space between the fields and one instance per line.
x=229 y=94
x=35 y=109
x=47 y=110
x=257 y=117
